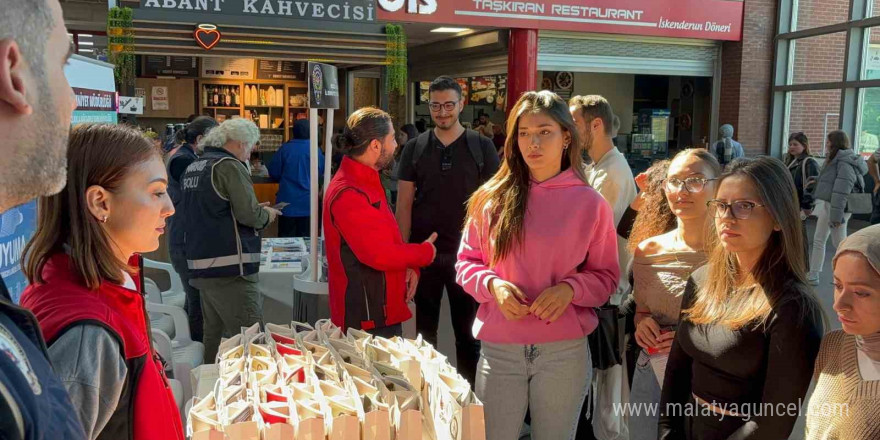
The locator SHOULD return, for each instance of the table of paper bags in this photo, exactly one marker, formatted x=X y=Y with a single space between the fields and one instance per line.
x=300 y=382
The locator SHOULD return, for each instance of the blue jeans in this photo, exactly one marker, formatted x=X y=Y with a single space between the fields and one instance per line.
x=549 y=379
x=644 y=397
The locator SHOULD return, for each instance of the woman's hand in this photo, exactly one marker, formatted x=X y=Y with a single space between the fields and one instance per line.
x=552 y=302
x=412 y=281
x=835 y=224
x=511 y=301
x=664 y=342
x=647 y=333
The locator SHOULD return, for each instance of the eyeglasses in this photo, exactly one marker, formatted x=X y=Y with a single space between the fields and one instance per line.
x=446 y=159
x=448 y=106
x=741 y=209
x=691 y=184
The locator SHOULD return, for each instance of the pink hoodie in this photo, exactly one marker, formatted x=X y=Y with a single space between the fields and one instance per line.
x=570 y=238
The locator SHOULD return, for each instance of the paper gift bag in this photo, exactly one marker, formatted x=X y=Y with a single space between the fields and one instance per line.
x=377 y=426
x=243 y=431
x=410 y=426
x=310 y=429
x=279 y=431
x=275 y=412
x=203 y=379
x=209 y=435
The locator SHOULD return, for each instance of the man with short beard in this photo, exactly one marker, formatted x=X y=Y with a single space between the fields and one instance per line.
x=36 y=104
x=439 y=171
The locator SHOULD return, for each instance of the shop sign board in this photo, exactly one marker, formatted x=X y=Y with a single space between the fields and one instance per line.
x=356 y=11
x=705 y=19
x=159 y=98
x=177 y=66
x=228 y=68
x=323 y=86
x=277 y=69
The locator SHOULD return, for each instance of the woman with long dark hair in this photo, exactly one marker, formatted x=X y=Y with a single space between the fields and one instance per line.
x=86 y=288
x=539 y=251
x=750 y=326
x=842 y=172
x=803 y=169
x=661 y=267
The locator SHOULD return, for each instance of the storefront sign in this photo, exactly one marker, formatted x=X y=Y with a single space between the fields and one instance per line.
x=276 y=69
x=95 y=100
x=228 y=68
x=706 y=19
x=181 y=67
x=16 y=228
x=159 y=97
x=323 y=86
x=131 y=105
x=361 y=11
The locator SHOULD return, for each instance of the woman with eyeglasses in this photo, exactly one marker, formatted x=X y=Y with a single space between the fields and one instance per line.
x=661 y=267
x=844 y=402
x=842 y=172
x=539 y=252
x=750 y=327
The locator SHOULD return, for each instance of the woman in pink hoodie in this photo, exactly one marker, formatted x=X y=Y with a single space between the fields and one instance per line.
x=539 y=252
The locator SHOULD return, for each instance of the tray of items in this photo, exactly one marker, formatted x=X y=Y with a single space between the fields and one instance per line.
x=300 y=382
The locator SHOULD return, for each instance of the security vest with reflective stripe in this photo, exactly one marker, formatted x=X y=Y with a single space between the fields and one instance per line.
x=217 y=245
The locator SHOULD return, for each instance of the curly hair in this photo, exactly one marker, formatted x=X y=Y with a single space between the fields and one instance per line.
x=655 y=217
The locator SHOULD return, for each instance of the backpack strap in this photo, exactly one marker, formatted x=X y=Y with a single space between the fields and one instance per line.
x=420 y=147
x=474 y=144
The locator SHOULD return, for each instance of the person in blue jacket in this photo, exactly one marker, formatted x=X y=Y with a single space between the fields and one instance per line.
x=290 y=166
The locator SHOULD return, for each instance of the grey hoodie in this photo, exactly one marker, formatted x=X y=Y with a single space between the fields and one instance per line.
x=838 y=178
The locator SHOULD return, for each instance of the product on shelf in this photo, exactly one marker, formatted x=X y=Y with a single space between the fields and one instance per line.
x=306 y=382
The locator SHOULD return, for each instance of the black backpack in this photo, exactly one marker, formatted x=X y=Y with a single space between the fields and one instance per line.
x=473 y=143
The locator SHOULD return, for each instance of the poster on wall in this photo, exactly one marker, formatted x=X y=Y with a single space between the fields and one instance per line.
x=228 y=68
x=465 y=89
x=501 y=98
x=424 y=96
x=159 y=97
x=323 y=86
x=484 y=89
x=94 y=106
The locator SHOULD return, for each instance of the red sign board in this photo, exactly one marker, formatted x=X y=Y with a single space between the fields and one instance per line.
x=704 y=19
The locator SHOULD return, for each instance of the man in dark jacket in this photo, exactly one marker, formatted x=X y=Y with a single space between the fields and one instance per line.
x=177 y=164
x=373 y=271
x=223 y=220
x=36 y=103
x=290 y=166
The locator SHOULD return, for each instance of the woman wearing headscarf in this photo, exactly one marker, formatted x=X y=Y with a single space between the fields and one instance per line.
x=844 y=402
x=727 y=149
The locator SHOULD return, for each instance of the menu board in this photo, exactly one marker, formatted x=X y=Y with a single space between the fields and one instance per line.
x=228 y=68
x=181 y=67
x=277 y=69
x=484 y=89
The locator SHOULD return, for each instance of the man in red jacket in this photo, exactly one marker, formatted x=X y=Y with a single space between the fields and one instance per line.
x=373 y=272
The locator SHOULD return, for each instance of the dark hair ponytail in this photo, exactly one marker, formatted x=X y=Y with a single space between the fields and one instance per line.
x=361 y=128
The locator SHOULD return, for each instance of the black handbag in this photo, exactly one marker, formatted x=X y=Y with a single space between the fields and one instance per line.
x=605 y=340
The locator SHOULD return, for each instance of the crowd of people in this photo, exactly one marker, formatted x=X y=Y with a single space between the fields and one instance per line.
x=708 y=261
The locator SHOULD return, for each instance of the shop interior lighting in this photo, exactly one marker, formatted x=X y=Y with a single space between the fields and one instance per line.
x=449 y=30
x=85 y=35
x=86 y=43
x=86 y=50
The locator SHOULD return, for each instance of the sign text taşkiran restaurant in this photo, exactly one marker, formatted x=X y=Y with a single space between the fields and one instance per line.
x=706 y=19
x=350 y=10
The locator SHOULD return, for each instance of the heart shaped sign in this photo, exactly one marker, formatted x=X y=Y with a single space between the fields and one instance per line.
x=207 y=36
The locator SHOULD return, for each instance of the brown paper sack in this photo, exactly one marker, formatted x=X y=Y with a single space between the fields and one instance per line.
x=243 y=431
x=278 y=431
x=345 y=427
x=310 y=429
x=377 y=426
x=410 y=426
x=209 y=435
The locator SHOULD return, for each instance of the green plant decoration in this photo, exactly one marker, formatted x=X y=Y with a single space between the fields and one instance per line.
x=396 y=58
x=121 y=46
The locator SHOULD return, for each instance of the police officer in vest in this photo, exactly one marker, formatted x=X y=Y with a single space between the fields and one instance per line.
x=36 y=104
x=177 y=165
x=222 y=219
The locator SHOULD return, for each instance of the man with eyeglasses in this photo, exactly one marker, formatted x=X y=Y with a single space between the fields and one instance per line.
x=439 y=170
x=608 y=172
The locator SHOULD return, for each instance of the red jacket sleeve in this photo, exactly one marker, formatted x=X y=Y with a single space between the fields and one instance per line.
x=374 y=240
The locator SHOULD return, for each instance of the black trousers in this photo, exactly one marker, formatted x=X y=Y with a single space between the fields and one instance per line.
x=387 y=332
x=294 y=226
x=463 y=309
x=193 y=304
